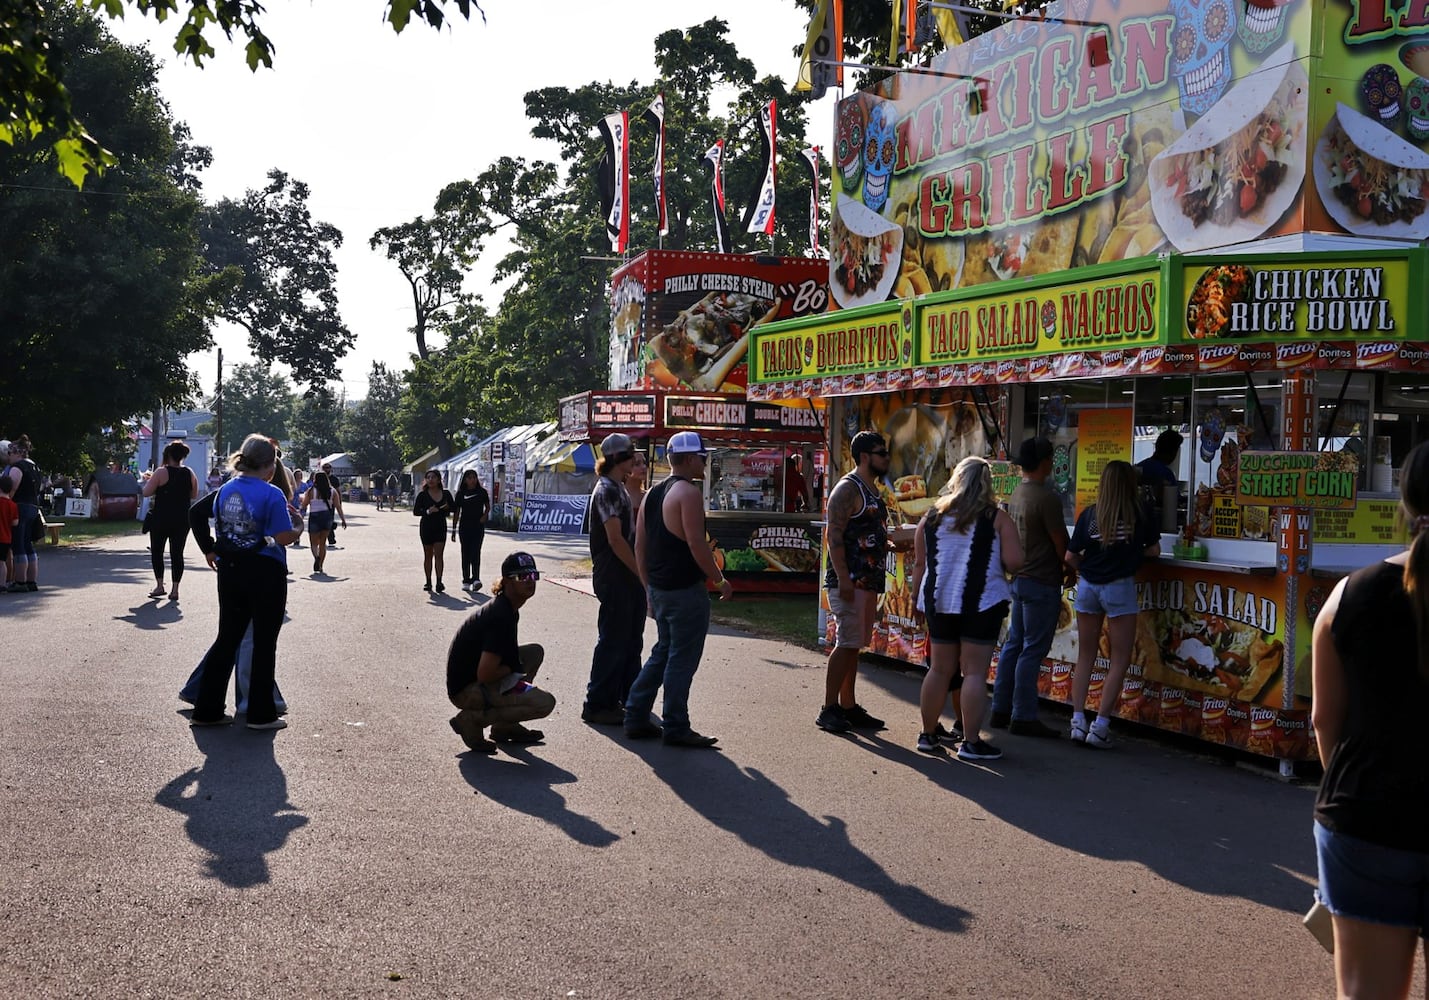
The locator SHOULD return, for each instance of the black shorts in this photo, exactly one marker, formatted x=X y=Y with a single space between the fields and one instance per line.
x=4 y=549
x=980 y=629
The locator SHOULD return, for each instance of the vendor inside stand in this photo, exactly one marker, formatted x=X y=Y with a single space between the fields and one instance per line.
x=769 y=479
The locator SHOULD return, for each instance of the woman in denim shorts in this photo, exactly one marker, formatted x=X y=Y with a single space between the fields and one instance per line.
x=963 y=550
x=1371 y=693
x=1110 y=540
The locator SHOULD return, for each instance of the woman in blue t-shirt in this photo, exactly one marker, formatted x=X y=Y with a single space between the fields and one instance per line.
x=1109 y=542
x=253 y=521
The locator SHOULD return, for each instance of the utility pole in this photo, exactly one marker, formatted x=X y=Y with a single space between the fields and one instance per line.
x=154 y=439
x=219 y=447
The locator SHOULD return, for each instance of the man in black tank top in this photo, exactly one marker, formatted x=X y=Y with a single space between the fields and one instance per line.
x=674 y=560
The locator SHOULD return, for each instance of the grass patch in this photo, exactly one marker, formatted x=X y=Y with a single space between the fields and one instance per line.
x=79 y=530
x=792 y=619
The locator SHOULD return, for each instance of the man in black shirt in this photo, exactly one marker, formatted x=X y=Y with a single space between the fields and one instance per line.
x=489 y=674
x=620 y=627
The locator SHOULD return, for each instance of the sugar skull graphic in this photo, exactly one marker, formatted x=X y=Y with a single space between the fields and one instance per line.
x=880 y=147
x=1263 y=23
x=1383 y=94
x=1416 y=104
x=849 y=152
x=1200 y=55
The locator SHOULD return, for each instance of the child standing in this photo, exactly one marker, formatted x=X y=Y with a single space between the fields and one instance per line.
x=9 y=518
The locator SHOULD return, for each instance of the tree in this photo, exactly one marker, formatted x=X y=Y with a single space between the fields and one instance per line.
x=434 y=255
x=316 y=428
x=283 y=277
x=369 y=429
x=256 y=400
x=36 y=102
x=102 y=294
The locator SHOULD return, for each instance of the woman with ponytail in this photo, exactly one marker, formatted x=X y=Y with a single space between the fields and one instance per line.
x=1371 y=696
x=963 y=550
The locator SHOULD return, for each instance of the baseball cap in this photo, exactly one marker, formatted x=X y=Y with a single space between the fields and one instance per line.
x=517 y=563
x=1034 y=452
x=615 y=444
x=686 y=443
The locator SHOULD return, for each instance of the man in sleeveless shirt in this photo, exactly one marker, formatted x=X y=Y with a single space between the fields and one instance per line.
x=856 y=537
x=1036 y=594
x=674 y=561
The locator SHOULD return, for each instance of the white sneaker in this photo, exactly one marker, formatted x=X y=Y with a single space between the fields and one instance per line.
x=1079 y=730
x=1099 y=737
x=466 y=586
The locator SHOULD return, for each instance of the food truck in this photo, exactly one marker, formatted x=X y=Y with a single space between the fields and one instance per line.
x=1119 y=219
x=759 y=514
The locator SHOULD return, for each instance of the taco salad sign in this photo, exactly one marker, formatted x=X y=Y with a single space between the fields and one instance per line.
x=1131 y=129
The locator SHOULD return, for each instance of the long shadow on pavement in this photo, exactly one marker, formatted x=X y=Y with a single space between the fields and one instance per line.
x=236 y=803
x=527 y=783
x=1191 y=821
x=153 y=615
x=759 y=812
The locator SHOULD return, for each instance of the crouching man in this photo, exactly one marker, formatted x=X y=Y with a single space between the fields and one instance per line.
x=489 y=674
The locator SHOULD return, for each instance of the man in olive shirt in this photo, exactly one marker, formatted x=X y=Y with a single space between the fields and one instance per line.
x=1036 y=594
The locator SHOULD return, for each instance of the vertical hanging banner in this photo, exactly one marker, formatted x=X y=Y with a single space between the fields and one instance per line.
x=759 y=216
x=655 y=115
x=714 y=156
x=811 y=160
x=615 y=179
x=821 y=65
x=905 y=27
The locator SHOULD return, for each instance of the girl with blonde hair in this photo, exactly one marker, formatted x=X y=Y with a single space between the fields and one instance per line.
x=1108 y=544
x=963 y=550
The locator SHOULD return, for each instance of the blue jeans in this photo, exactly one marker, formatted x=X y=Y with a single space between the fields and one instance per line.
x=242 y=669
x=682 y=620
x=1035 y=606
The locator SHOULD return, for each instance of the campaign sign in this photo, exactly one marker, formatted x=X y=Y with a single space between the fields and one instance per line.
x=562 y=515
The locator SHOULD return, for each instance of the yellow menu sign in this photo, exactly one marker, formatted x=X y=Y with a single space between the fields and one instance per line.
x=1102 y=436
x=1297 y=479
x=872 y=342
x=1370 y=522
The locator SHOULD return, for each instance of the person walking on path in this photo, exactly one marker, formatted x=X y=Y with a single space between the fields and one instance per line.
x=174 y=488
x=433 y=505
x=1036 y=594
x=27 y=501
x=473 y=505
x=1371 y=692
x=856 y=538
x=489 y=672
x=332 y=525
x=674 y=561
x=253 y=523
x=321 y=502
x=963 y=548
x=1109 y=542
x=620 y=624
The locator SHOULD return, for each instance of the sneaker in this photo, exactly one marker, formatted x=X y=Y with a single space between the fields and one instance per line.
x=466 y=585
x=16 y=588
x=317 y=566
x=1033 y=727
x=474 y=741
x=978 y=750
x=604 y=716
x=928 y=743
x=953 y=736
x=689 y=738
x=516 y=733
x=1099 y=737
x=858 y=718
x=275 y=724
x=427 y=587
x=441 y=587
x=1079 y=731
x=1000 y=720
x=222 y=720
x=475 y=586
x=32 y=586
x=833 y=719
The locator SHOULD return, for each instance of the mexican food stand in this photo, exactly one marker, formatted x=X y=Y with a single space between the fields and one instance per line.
x=1127 y=218
x=760 y=543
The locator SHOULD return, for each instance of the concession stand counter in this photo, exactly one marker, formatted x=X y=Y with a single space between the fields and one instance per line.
x=1146 y=219
x=762 y=480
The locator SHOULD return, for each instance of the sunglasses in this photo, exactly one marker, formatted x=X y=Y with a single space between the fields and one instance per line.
x=881 y=452
x=531 y=577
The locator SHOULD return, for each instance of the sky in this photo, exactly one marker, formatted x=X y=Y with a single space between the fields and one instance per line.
x=377 y=123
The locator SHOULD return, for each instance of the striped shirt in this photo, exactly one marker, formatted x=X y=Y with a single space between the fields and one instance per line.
x=965 y=573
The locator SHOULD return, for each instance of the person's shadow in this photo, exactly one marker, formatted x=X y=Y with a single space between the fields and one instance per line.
x=153 y=615
x=526 y=783
x=236 y=803
x=760 y=813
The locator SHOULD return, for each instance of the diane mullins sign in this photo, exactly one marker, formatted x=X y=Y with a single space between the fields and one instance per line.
x=1155 y=125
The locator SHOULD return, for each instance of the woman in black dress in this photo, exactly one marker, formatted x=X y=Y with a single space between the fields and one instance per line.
x=174 y=489
x=433 y=505
x=473 y=503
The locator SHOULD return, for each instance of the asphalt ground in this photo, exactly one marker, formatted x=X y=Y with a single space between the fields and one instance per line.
x=363 y=852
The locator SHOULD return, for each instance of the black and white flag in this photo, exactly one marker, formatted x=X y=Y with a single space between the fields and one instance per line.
x=811 y=160
x=714 y=156
x=614 y=179
x=759 y=216
x=655 y=115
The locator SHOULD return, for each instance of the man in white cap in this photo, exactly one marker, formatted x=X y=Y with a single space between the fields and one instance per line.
x=620 y=627
x=674 y=561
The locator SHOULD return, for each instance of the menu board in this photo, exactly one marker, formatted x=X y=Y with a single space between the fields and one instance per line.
x=1369 y=522
x=1298 y=479
x=624 y=412
x=1103 y=435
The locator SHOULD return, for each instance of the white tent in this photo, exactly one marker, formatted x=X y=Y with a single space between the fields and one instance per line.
x=341 y=463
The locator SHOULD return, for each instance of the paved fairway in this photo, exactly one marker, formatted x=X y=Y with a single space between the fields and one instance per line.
x=140 y=858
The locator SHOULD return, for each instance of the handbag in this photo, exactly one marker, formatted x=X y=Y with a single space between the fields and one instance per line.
x=148 y=520
x=37 y=530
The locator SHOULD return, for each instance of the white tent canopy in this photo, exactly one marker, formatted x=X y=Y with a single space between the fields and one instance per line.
x=341 y=463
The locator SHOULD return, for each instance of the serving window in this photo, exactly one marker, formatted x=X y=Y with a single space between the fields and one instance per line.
x=1082 y=420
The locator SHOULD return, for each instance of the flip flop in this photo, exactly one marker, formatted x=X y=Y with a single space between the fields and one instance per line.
x=157 y=592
